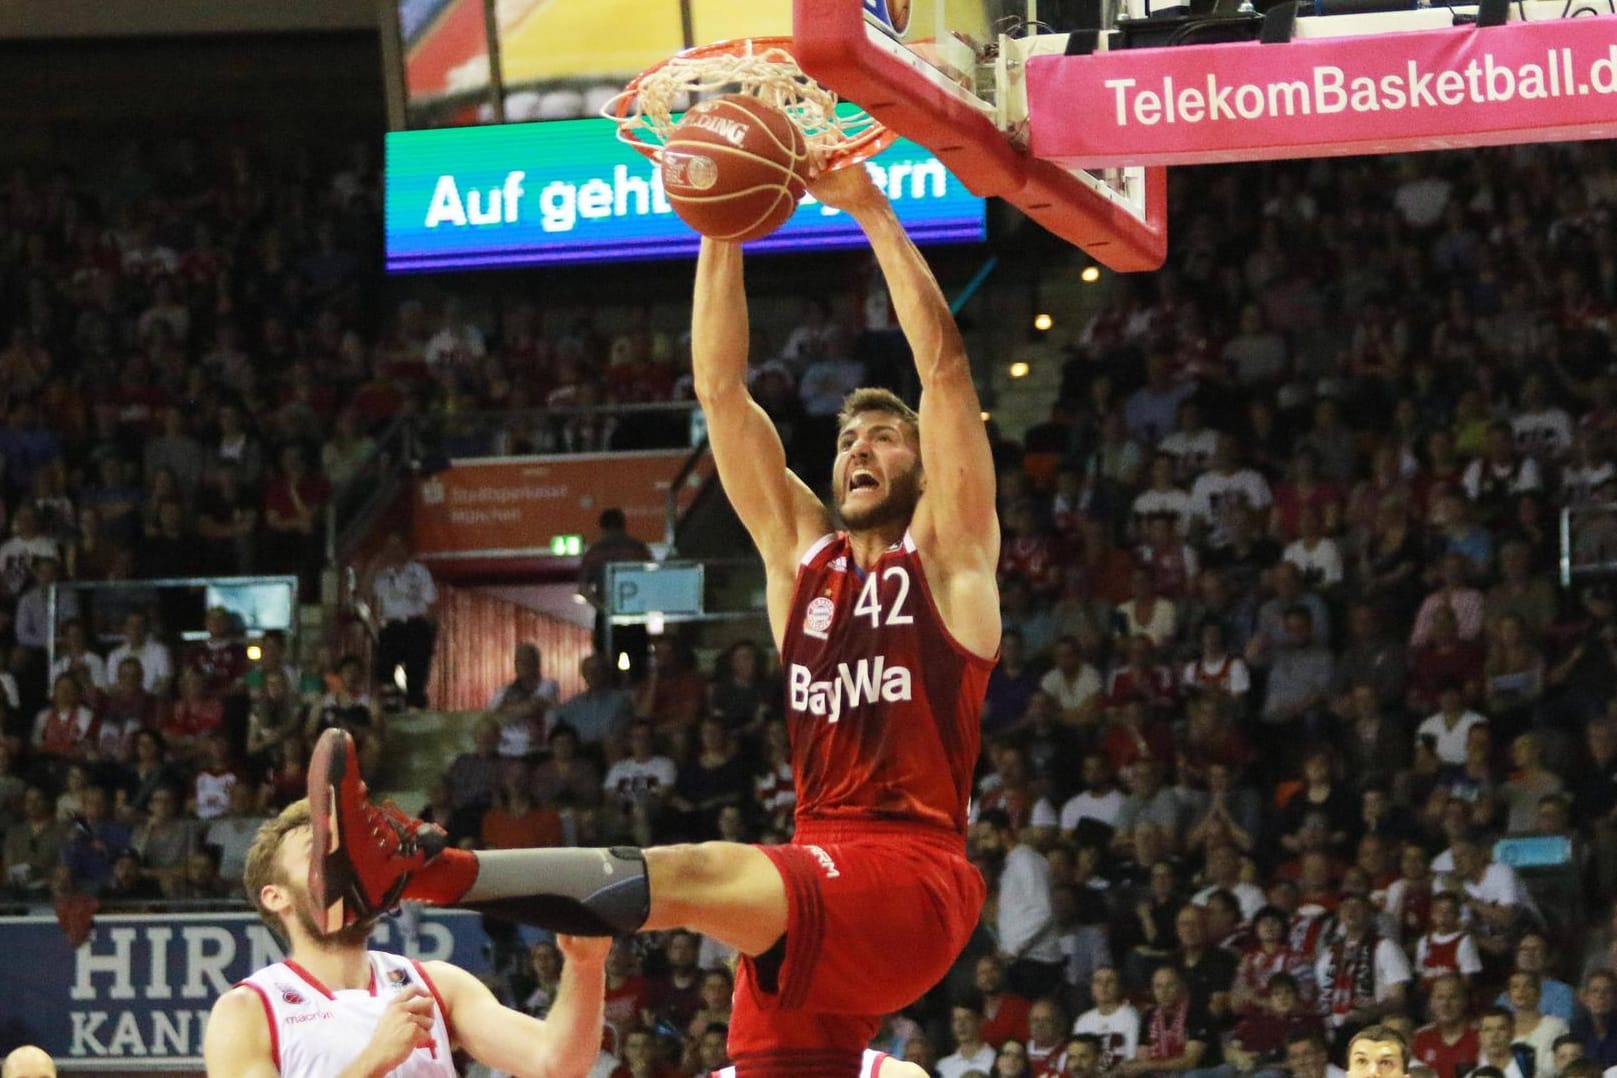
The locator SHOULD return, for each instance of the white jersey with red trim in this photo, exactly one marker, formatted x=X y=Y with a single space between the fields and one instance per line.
x=315 y=1032
x=870 y=1066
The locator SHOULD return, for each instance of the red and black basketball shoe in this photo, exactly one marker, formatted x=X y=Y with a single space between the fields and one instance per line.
x=363 y=855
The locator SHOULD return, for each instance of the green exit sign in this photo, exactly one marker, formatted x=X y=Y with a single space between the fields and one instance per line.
x=566 y=546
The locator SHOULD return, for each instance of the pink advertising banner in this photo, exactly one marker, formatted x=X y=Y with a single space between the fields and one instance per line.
x=1385 y=93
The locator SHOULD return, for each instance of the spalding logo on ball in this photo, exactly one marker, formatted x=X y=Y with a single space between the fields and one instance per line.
x=734 y=168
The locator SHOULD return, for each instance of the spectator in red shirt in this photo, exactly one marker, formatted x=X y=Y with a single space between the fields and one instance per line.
x=67 y=729
x=288 y=781
x=1272 y=957
x=518 y=821
x=1172 y=563
x=1028 y=553
x=1407 y=908
x=674 y=695
x=1107 y=567
x=1010 y=792
x=1259 y=1039
x=1005 y=1013
x=1212 y=739
x=1444 y=659
x=128 y=710
x=1047 y=1028
x=1141 y=677
x=220 y=660
x=1315 y=871
x=1306 y=489
x=193 y=717
x=1449 y=1044
x=1446 y=947
x=294 y=511
x=382 y=397
x=639 y=1052
x=1133 y=735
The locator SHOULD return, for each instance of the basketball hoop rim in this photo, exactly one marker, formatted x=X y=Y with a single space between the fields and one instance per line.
x=845 y=152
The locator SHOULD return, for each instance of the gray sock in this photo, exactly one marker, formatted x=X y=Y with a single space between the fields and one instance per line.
x=593 y=892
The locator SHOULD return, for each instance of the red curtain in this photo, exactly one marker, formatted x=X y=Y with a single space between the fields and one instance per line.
x=477 y=636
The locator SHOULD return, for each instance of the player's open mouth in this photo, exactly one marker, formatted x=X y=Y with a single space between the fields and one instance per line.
x=862 y=480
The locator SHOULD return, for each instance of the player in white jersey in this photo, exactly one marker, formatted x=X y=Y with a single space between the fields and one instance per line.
x=873 y=1065
x=333 y=1009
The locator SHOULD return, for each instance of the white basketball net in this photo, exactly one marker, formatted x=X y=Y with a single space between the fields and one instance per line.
x=767 y=72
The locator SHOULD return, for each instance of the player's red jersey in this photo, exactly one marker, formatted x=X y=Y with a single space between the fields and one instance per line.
x=882 y=703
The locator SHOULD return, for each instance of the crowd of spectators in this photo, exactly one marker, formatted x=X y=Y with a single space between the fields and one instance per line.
x=143 y=778
x=1288 y=687
x=1285 y=658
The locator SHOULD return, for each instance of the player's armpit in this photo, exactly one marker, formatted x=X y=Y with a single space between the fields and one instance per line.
x=956 y=526
x=237 y=1043
x=956 y=522
x=956 y=456
x=778 y=510
x=958 y=503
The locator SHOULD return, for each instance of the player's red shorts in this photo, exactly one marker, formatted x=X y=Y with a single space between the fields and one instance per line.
x=876 y=914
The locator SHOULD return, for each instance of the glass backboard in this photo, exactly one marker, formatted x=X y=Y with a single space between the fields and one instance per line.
x=948 y=74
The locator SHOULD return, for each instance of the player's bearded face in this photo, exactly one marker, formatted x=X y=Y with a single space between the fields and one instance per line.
x=293 y=878
x=878 y=480
x=353 y=935
x=896 y=504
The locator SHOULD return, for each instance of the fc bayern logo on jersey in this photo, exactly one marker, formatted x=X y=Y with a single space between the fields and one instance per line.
x=818 y=618
x=397 y=978
x=291 y=996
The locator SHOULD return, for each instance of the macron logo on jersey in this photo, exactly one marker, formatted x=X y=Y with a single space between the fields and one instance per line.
x=856 y=684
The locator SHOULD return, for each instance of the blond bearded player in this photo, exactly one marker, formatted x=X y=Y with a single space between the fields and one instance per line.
x=335 y=1009
x=887 y=630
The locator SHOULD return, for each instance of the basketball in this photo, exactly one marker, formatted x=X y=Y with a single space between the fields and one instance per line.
x=733 y=168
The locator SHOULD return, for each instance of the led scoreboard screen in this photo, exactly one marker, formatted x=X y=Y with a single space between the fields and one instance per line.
x=567 y=191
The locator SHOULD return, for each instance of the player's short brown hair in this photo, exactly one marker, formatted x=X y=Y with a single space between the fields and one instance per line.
x=1380 y=1034
x=264 y=859
x=876 y=399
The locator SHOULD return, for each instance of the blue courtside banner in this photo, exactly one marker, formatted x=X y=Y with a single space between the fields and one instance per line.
x=568 y=191
x=139 y=991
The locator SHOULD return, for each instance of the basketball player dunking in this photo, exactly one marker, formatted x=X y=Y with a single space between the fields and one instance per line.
x=887 y=631
x=332 y=1008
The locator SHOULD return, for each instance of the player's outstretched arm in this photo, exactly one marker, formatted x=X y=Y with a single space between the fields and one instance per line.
x=564 y=1045
x=237 y=1043
x=778 y=509
x=956 y=525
